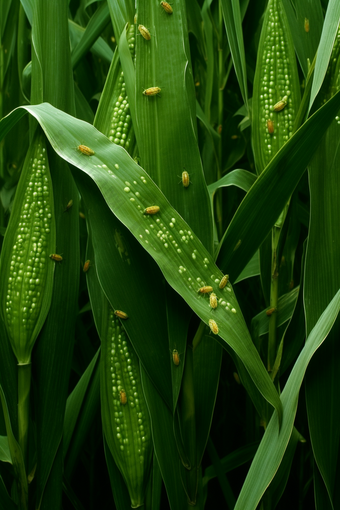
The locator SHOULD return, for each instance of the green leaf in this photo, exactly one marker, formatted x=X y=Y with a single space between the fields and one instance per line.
x=240 y=178
x=77 y=403
x=188 y=258
x=233 y=24
x=167 y=133
x=322 y=281
x=273 y=445
x=305 y=42
x=329 y=31
x=165 y=445
x=264 y=202
x=5 y=455
x=286 y=305
x=94 y=28
x=251 y=269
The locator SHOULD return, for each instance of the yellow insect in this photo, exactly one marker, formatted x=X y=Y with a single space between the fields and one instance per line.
x=86 y=266
x=280 y=104
x=213 y=300
x=223 y=281
x=205 y=290
x=144 y=32
x=151 y=91
x=270 y=126
x=69 y=205
x=213 y=326
x=123 y=397
x=167 y=7
x=306 y=25
x=153 y=209
x=270 y=311
x=185 y=179
x=175 y=357
x=121 y=315
x=85 y=150
x=56 y=257
x=82 y=215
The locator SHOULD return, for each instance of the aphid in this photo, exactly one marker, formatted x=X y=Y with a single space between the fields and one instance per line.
x=85 y=150
x=123 y=397
x=144 y=32
x=213 y=300
x=153 y=209
x=306 y=25
x=82 y=215
x=185 y=179
x=223 y=281
x=175 y=357
x=234 y=137
x=152 y=91
x=270 y=126
x=213 y=326
x=69 y=205
x=167 y=7
x=56 y=257
x=205 y=290
x=280 y=104
x=86 y=266
x=121 y=315
x=270 y=311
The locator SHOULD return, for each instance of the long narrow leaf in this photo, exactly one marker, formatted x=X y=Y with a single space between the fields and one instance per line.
x=271 y=450
x=169 y=240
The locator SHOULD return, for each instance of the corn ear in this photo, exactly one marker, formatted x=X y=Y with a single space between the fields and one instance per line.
x=126 y=422
x=276 y=94
x=26 y=272
x=113 y=116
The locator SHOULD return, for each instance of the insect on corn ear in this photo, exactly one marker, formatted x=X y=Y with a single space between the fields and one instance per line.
x=205 y=290
x=153 y=209
x=86 y=266
x=86 y=150
x=121 y=315
x=213 y=326
x=151 y=91
x=270 y=126
x=56 y=257
x=167 y=7
x=306 y=25
x=122 y=397
x=223 y=281
x=175 y=357
x=144 y=32
x=280 y=105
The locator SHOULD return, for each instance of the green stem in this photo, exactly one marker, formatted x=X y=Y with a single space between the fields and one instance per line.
x=274 y=291
x=24 y=385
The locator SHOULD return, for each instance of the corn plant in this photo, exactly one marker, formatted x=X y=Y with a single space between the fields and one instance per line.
x=169 y=285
